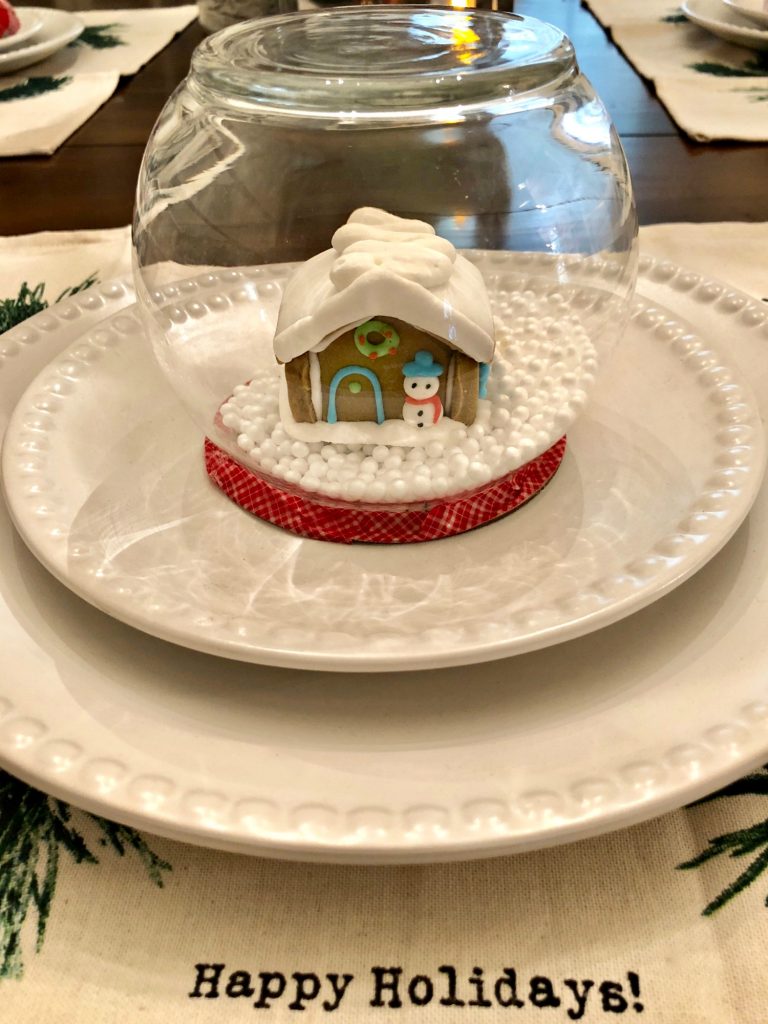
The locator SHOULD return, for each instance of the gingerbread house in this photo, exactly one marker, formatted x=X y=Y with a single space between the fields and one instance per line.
x=390 y=298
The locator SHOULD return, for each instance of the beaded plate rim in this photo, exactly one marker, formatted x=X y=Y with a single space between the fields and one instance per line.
x=709 y=522
x=63 y=761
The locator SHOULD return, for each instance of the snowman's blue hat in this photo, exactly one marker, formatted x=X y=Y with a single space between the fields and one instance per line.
x=423 y=365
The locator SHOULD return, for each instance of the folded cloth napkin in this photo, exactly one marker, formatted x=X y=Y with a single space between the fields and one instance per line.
x=36 y=270
x=41 y=106
x=712 y=89
x=667 y=919
x=735 y=251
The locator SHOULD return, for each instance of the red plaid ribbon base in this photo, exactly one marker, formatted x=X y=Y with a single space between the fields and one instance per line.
x=351 y=522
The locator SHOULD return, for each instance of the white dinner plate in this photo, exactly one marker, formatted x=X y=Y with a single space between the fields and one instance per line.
x=721 y=21
x=582 y=737
x=103 y=473
x=57 y=29
x=754 y=11
x=30 y=24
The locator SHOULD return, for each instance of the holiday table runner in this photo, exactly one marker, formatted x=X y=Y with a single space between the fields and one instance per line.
x=42 y=105
x=712 y=89
x=37 y=270
x=665 y=922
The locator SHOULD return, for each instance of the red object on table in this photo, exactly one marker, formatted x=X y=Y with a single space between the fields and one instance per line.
x=9 y=23
x=356 y=522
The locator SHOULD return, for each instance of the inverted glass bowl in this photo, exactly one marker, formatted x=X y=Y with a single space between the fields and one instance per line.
x=476 y=125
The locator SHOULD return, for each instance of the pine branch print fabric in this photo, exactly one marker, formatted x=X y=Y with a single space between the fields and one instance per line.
x=698 y=77
x=29 y=301
x=40 y=110
x=120 y=40
x=36 y=86
x=101 y=921
x=35 y=832
x=749 y=842
x=100 y=37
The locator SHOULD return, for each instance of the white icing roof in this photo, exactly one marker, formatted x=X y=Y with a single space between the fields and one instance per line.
x=382 y=265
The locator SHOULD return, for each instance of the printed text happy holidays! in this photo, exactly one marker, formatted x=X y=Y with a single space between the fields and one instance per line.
x=393 y=988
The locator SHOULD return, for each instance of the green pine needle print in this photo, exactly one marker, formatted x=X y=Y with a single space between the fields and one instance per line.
x=741 y=843
x=756 y=94
x=34 y=830
x=99 y=37
x=755 y=67
x=33 y=87
x=28 y=302
x=32 y=300
x=75 y=289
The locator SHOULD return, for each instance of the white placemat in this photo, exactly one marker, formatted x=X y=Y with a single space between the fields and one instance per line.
x=712 y=89
x=37 y=270
x=42 y=105
x=665 y=922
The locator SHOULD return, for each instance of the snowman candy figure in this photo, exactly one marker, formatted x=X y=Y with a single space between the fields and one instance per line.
x=422 y=405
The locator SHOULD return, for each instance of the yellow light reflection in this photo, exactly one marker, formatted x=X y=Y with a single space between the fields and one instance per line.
x=463 y=36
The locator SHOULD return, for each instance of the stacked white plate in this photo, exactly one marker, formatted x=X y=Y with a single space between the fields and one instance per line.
x=42 y=33
x=742 y=22
x=432 y=743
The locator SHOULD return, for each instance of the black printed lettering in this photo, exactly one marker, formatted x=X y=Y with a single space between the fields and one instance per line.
x=450 y=999
x=272 y=987
x=505 y=989
x=613 y=998
x=338 y=990
x=307 y=989
x=477 y=981
x=542 y=993
x=420 y=990
x=580 y=997
x=387 y=979
x=207 y=974
x=634 y=988
x=239 y=984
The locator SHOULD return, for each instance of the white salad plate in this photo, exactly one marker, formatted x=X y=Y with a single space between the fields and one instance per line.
x=56 y=30
x=103 y=474
x=576 y=739
x=724 y=22
x=754 y=11
x=30 y=24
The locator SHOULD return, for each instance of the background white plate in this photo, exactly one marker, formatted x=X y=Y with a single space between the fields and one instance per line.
x=103 y=474
x=30 y=23
x=718 y=19
x=58 y=29
x=753 y=10
x=585 y=736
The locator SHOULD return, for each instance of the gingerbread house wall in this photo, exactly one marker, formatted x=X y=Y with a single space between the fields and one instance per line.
x=458 y=383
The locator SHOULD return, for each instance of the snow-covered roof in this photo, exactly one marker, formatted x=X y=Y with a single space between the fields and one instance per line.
x=382 y=265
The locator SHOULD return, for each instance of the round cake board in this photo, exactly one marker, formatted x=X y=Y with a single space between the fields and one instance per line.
x=302 y=513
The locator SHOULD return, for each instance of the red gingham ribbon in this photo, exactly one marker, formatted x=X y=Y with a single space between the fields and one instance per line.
x=349 y=522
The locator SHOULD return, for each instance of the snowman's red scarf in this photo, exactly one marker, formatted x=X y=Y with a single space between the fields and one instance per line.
x=432 y=400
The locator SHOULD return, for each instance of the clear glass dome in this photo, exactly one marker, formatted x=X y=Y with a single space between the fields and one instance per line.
x=332 y=195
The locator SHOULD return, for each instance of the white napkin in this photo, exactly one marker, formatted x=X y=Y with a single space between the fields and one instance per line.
x=39 y=124
x=37 y=269
x=733 y=251
x=81 y=76
x=712 y=89
x=145 y=929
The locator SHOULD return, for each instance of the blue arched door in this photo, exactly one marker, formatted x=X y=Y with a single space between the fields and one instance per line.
x=349 y=371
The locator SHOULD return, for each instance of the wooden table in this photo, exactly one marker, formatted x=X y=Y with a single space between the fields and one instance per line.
x=90 y=181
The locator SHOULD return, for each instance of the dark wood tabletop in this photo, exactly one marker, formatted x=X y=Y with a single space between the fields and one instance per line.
x=90 y=181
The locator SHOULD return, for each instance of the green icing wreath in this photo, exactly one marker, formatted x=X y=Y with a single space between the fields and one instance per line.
x=375 y=338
